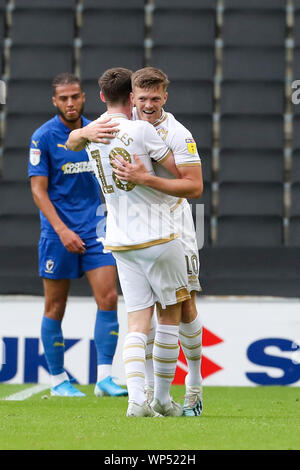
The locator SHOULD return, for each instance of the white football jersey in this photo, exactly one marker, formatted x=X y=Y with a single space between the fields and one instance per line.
x=137 y=216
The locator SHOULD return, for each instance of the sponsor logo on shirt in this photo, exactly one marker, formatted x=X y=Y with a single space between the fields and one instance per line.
x=71 y=168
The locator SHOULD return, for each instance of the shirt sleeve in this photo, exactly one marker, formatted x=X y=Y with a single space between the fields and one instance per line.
x=155 y=146
x=184 y=148
x=38 y=161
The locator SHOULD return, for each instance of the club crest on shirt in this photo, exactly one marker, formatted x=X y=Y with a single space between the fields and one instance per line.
x=35 y=156
x=191 y=145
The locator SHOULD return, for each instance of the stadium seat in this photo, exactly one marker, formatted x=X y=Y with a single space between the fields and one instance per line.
x=101 y=27
x=95 y=60
x=250 y=199
x=200 y=125
x=256 y=4
x=252 y=98
x=16 y=198
x=93 y=106
x=55 y=4
x=254 y=27
x=2 y=26
x=42 y=26
x=20 y=127
x=190 y=97
x=35 y=62
x=249 y=166
x=294 y=231
x=14 y=164
x=295 y=170
x=295 y=199
x=296 y=64
x=251 y=131
x=205 y=199
x=113 y=4
x=33 y=95
x=19 y=230
x=206 y=161
x=196 y=63
x=254 y=63
x=296 y=131
x=188 y=4
x=249 y=231
x=167 y=26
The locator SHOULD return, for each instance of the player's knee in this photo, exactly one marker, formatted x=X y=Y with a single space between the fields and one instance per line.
x=55 y=309
x=108 y=301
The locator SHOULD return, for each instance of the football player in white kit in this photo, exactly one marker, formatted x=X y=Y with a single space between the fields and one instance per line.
x=150 y=94
x=141 y=234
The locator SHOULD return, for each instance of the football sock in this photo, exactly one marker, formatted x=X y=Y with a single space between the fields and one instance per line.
x=106 y=339
x=165 y=355
x=149 y=380
x=190 y=336
x=53 y=342
x=134 y=362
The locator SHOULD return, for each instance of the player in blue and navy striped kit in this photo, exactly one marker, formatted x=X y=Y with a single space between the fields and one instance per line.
x=72 y=224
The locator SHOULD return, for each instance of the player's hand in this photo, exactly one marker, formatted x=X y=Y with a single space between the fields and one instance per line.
x=101 y=131
x=71 y=241
x=131 y=172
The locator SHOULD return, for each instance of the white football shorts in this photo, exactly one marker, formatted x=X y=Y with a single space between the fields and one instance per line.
x=184 y=226
x=153 y=274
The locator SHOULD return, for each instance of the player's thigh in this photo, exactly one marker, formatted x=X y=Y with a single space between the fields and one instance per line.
x=56 y=262
x=165 y=269
x=103 y=282
x=99 y=266
x=136 y=289
x=56 y=295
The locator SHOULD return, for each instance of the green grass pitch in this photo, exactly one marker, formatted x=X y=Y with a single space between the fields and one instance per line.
x=234 y=418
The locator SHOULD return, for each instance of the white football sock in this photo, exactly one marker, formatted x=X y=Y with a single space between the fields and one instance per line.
x=59 y=379
x=103 y=371
x=165 y=355
x=134 y=362
x=190 y=336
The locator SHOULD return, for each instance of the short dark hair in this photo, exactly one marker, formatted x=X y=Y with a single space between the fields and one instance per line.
x=150 y=77
x=65 y=78
x=115 y=85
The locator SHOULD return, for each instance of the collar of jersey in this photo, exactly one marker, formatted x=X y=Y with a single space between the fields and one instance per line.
x=162 y=118
x=117 y=116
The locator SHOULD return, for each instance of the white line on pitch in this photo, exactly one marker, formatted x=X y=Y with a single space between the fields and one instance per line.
x=27 y=393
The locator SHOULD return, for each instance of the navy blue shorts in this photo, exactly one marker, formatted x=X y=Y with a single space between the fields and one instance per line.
x=56 y=262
